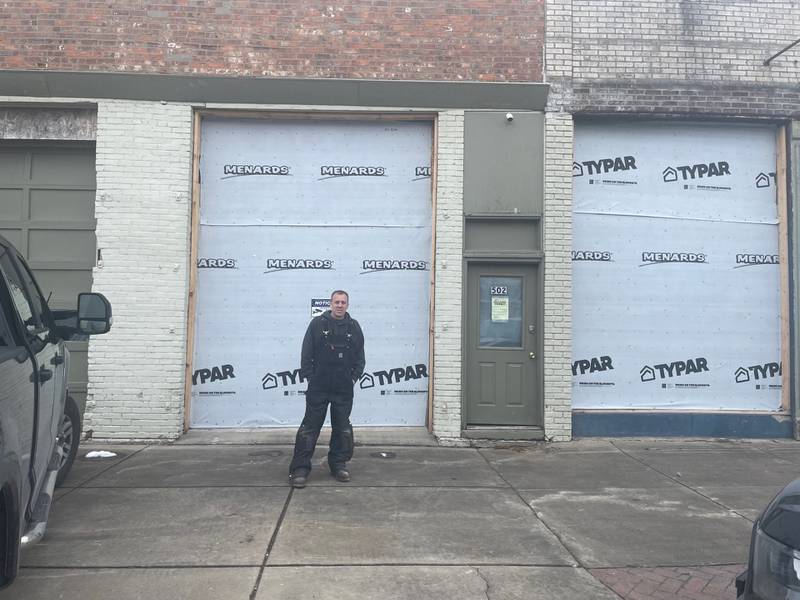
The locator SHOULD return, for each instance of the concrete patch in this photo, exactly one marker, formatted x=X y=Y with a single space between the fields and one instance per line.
x=684 y=444
x=159 y=527
x=369 y=436
x=180 y=466
x=430 y=583
x=538 y=469
x=719 y=467
x=134 y=584
x=613 y=527
x=791 y=453
x=404 y=466
x=84 y=469
x=747 y=500
x=337 y=526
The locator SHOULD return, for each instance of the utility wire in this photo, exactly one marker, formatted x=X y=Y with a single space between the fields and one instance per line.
x=774 y=56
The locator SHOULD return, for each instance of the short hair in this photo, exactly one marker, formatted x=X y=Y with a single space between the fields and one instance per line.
x=334 y=292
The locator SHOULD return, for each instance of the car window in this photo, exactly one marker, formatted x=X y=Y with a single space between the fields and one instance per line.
x=19 y=296
x=37 y=300
x=6 y=340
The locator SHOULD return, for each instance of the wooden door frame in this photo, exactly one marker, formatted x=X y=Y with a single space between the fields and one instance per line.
x=357 y=114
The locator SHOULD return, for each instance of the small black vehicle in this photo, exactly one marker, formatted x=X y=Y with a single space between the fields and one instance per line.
x=773 y=569
x=39 y=421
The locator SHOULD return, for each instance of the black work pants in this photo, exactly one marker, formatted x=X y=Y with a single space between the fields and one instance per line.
x=341 y=448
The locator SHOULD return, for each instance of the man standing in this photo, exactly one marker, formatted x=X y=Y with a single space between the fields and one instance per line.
x=332 y=361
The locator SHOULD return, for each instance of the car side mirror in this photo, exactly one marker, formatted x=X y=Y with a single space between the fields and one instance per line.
x=94 y=314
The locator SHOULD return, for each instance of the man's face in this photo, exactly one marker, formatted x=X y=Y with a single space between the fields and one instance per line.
x=339 y=306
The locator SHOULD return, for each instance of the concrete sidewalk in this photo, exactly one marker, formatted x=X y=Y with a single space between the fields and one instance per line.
x=599 y=519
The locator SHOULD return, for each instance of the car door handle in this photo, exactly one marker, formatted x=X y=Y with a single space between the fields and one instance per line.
x=58 y=359
x=44 y=375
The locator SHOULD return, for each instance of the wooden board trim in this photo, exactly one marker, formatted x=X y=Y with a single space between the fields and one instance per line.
x=784 y=262
x=318 y=115
x=432 y=314
x=192 y=296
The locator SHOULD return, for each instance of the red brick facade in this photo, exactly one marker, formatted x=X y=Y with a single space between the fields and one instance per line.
x=491 y=40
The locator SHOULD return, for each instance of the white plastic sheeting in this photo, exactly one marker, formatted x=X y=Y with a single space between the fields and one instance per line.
x=290 y=211
x=675 y=275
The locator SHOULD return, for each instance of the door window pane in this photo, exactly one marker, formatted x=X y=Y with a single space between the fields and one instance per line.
x=500 y=312
x=18 y=294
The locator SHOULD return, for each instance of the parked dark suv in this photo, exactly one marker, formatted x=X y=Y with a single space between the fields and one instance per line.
x=773 y=570
x=39 y=421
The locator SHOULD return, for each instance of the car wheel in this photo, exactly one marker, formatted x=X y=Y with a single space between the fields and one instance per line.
x=69 y=437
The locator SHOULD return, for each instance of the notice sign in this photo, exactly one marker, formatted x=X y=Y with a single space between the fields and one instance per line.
x=319 y=306
x=499 y=309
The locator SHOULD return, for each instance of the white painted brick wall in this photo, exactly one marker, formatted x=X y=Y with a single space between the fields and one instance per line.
x=558 y=222
x=136 y=372
x=558 y=277
x=447 y=351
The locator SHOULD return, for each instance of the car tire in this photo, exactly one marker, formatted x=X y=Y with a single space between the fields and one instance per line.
x=69 y=436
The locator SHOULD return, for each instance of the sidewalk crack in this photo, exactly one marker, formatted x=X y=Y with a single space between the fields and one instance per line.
x=486 y=582
x=681 y=483
x=536 y=514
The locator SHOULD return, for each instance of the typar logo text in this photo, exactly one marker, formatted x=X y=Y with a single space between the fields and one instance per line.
x=213 y=375
x=216 y=263
x=659 y=258
x=759 y=373
x=592 y=255
x=752 y=260
x=765 y=180
x=678 y=368
x=591 y=366
x=698 y=171
x=230 y=171
x=377 y=266
x=291 y=264
x=394 y=377
x=271 y=381
x=604 y=166
x=331 y=171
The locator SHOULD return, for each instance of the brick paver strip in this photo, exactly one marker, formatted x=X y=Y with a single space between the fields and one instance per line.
x=672 y=583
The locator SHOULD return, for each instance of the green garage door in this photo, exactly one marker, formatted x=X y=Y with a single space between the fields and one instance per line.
x=47 y=212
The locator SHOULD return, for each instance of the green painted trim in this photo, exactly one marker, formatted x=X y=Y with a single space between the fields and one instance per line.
x=262 y=90
x=793 y=189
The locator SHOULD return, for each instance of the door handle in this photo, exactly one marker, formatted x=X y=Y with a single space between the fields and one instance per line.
x=532 y=355
x=45 y=374
x=58 y=359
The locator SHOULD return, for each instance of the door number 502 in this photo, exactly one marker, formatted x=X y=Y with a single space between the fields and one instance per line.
x=499 y=290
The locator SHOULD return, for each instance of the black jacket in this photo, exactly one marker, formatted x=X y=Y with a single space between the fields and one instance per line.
x=333 y=353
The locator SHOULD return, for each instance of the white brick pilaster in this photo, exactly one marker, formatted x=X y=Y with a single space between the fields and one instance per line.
x=558 y=277
x=136 y=372
x=447 y=341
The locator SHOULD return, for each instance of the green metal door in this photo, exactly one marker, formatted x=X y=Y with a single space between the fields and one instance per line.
x=47 y=211
x=502 y=373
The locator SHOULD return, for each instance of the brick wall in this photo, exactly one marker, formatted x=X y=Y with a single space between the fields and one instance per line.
x=136 y=372
x=678 y=57
x=558 y=277
x=385 y=39
x=449 y=275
